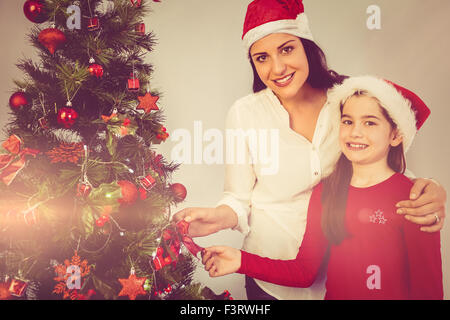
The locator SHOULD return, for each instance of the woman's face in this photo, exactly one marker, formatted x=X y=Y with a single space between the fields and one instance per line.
x=281 y=63
x=365 y=134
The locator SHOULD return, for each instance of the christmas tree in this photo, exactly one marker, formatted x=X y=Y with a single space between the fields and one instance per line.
x=85 y=199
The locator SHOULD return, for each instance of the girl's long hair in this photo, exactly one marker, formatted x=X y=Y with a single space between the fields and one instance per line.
x=320 y=76
x=335 y=188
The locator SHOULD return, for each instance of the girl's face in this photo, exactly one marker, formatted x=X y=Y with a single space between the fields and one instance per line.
x=281 y=63
x=365 y=134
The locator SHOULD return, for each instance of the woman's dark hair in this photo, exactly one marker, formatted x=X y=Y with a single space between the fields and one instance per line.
x=335 y=189
x=320 y=77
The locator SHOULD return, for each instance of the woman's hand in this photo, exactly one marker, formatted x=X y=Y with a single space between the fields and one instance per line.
x=206 y=221
x=426 y=205
x=220 y=261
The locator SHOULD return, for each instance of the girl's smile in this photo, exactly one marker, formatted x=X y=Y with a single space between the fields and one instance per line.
x=356 y=146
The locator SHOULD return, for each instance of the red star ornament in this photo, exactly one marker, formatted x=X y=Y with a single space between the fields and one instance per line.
x=132 y=287
x=148 y=102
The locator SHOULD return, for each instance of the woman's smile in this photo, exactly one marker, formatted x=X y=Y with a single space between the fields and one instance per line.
x=283 y=82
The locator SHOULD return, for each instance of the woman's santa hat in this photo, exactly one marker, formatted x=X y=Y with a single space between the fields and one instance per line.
x=265 y=17
x=405 y=108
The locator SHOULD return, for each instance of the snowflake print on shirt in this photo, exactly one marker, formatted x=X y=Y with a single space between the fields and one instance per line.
x=378 y=217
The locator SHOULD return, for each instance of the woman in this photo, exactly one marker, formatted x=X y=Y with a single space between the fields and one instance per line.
x=290 y=85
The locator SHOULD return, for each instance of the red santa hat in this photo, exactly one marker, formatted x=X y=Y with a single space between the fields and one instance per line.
x=265 y=17
x=405 y=108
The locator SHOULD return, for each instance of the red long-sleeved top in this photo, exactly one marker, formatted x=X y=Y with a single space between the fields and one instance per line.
x=385 y=256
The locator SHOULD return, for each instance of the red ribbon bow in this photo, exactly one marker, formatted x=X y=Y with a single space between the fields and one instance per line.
x=183 y=228
x=13 y=161
x=172 y=238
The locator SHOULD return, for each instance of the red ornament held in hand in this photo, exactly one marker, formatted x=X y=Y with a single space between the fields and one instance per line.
x=35 y=11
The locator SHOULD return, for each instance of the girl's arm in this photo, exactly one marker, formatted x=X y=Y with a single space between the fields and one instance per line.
x=425 y=265
x=300 y=272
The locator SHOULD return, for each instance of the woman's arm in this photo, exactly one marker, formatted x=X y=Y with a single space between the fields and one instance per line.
x=206 y=221
x=299 y=272
x=426 y=206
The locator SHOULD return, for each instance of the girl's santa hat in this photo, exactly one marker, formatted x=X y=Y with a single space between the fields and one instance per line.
x=265 y=17
x=405 y=108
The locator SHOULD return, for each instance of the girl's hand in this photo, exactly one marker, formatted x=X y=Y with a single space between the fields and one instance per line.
x=206 y=221
x=426 y=205
x=220 y=261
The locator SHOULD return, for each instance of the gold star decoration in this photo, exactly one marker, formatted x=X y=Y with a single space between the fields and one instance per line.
x=132 y=287
x=148 y=102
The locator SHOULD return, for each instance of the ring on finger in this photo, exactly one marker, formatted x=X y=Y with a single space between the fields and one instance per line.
x=437 y=218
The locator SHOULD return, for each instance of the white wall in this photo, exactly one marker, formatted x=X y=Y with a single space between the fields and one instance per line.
x=202 y=69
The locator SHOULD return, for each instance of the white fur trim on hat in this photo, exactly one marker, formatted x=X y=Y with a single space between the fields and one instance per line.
x=397 y=106
x=298 y=27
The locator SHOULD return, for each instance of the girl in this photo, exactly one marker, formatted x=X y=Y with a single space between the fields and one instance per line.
x=291 y=83
x=373 y=253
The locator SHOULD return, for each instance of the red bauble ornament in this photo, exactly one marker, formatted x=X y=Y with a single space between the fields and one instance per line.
x=67 y=117
x=179 y=191
x=52 y=39
x=35 y=11
x=18 y=99
x=96 y=70
x=129 y=192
